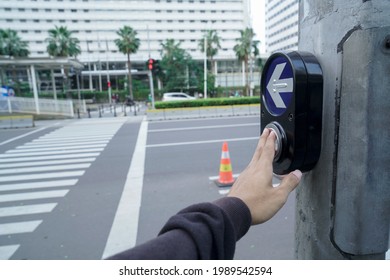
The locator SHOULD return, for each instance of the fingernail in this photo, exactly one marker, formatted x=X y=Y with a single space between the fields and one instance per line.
x=297 y=174
x=265 y=129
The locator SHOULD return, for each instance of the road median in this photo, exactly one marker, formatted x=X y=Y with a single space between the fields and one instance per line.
x=203 y=112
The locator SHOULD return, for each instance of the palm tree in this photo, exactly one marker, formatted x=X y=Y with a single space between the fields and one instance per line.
x=12 y=45
x=128 y=43
x=61 y=43
x=246 y=48
x=212 y=41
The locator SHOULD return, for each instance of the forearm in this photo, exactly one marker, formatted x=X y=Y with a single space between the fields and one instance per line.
x=201 y=231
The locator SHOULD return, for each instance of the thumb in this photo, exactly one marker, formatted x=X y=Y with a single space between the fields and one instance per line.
x=291 y=181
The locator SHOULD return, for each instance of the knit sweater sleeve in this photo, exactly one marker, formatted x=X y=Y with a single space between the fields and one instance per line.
x=200 y=231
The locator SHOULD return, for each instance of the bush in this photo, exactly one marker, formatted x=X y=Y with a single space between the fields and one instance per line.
x=207 y=102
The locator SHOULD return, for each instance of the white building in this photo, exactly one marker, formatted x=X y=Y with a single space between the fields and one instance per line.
x=281 y=25
x=97 y=21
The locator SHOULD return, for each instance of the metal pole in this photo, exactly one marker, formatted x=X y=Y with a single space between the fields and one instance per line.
x=342 y=206
x=150 y=74
x=151 y=87
x=108 y=73
x=205 y=66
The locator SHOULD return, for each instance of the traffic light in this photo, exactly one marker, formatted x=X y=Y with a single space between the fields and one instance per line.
x=150 y=63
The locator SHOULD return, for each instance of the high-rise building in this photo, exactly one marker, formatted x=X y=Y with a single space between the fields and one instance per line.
x=281 y=25
x=95 y=23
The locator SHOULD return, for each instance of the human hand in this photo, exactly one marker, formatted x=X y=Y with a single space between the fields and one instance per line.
x=254 y=185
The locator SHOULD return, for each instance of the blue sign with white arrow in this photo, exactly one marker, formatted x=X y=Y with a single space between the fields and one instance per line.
x=279 y=86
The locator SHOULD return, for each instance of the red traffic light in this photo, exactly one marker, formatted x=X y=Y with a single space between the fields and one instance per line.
x=150 y=63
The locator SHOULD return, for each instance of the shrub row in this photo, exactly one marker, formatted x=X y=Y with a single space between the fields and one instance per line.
x=207 y=102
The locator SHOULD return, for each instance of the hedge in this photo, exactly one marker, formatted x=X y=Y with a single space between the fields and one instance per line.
x=207 y=102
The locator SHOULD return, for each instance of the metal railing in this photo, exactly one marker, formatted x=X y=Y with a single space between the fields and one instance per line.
x=40 y=106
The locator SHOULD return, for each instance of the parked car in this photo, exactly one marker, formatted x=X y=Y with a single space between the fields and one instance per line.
x=175 y=96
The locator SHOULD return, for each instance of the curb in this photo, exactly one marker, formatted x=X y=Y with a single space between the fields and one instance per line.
x=18 y=121
x=203 y=112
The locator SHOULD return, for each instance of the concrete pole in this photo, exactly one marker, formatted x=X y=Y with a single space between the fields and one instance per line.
x=35 y=90
x=343 y=205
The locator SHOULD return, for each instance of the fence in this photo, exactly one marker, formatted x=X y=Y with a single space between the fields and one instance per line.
x=42 y=106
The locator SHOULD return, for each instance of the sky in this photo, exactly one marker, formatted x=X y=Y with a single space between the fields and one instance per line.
x=258 y=22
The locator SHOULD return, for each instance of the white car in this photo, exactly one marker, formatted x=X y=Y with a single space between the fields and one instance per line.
x=175 y=96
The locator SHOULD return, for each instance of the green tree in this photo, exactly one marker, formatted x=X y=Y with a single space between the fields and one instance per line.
x=12 y=45
x=61 y=43
x=245 y=49
x=128 y=43
x=212 y=46
x=178 y=67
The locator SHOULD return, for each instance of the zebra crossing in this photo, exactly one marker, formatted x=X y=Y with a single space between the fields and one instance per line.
x=46 y=169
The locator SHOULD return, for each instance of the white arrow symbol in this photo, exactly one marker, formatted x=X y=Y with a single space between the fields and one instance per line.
x=275 y=85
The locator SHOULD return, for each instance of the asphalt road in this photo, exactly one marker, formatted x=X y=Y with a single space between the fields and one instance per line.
x=82 y=189
x=181 y=156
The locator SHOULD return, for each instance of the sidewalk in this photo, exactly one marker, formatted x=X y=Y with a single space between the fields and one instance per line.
x=203 y=112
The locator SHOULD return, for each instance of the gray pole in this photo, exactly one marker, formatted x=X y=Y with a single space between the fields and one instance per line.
x=343 y=205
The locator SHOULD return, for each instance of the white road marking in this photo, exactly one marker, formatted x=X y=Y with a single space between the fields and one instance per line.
x=60 y=139
x=201 y=142
x=123 y=233
x=7 y=251
x=45 y=168
x=71 y=143
x=19 y=227
x=26 y=209
x=38 y=185
x=67 y=148
x=32 y=195
x=46 y=162
x=41 y=176
x=26 y=134
x=24 y=159
x=212 y=178
x=51 y=152
x=65 y=152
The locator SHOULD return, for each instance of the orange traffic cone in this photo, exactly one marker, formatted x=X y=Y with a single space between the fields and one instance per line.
x=225 y=171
